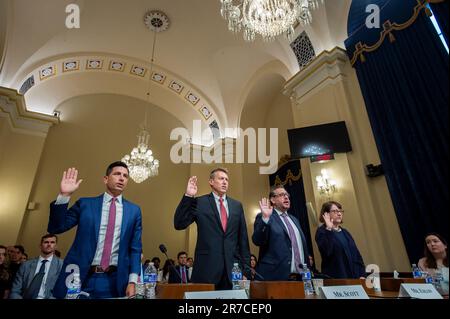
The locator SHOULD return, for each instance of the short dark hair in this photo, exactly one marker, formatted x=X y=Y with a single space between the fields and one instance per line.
x=326 y=209
x=20 y=248
x=181 y=253
x=116 y=164
x=156 y=259
x=273 y=188
x=219 y=169
x=48 y=236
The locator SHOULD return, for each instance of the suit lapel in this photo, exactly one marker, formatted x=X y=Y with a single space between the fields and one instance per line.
x=303 y=238
x=97 y=209
x=125 y=218
x=231 y=212
x=32 y=271
x=278 y=220
x=212 y=201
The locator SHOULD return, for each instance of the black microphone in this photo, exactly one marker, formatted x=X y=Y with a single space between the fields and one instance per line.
x=256 y=273
x=163 y=249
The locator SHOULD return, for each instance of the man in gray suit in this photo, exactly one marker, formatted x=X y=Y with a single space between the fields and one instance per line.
x=36 y=277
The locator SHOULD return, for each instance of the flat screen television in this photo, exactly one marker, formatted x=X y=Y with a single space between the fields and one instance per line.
x=319 y=139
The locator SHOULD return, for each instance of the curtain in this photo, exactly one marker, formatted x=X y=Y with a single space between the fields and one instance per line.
x=405 y=86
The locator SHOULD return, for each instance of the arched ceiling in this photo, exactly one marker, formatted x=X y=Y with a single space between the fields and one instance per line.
x=197 y=51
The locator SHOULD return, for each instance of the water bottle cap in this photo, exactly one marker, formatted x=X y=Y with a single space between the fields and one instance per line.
x=236 y=264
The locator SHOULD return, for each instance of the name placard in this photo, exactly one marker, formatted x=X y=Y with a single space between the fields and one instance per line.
x=344 y=292
x=419 y=291
x=220 y=294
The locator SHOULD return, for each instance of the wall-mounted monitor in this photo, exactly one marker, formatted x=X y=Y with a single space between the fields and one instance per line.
x=319 y=139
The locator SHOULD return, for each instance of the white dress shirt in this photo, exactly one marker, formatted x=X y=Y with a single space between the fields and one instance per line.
x=41 y=294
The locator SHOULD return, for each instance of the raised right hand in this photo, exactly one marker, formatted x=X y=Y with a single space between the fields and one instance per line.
x=69 y=183
x=328 y=220
x=191 y=189
x=266 y=209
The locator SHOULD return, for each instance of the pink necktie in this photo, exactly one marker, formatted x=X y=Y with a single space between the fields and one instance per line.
x=107 y=247
x=223 y=214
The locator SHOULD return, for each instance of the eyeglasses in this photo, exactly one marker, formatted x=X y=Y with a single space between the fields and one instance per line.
x=282 y=195
x=337 y=211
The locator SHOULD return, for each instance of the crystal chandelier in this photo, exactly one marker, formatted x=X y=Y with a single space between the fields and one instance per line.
x=268 y=18
x=140 y=161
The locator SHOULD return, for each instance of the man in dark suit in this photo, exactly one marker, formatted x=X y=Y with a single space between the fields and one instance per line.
x=180 y=273
x=282 y=244
x=107 y=246
x=36 y=278
x=221 y=230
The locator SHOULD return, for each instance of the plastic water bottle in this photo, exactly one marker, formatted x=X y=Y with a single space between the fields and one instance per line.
x=428 y=278
x=150 y=279
x=236 y=275
x=74 y=288
x=307 y=283
x=438 y=280
x=416 y=271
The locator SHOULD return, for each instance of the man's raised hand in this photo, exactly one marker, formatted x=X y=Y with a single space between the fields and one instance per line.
x=266 y=209
x=69 y=183
x=191 y=189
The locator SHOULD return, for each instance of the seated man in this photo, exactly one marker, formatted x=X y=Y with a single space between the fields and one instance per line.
x=36 y=278
x=180 y=273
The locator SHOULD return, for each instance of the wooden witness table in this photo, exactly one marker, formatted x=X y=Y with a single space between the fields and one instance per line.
x=289 y=289
x=176 y=291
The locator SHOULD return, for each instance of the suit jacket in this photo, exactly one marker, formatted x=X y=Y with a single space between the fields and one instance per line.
x=216 y=250
x=175 y=278
x=339 y=261
x=86 y=213
x=275 y=249
x=26 y=273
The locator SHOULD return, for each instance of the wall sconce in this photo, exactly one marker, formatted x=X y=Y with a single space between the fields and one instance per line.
x=325 y=185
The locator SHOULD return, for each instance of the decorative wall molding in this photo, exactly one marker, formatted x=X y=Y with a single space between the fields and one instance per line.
x=12 y=105
x=129 y=67
x=328 y=67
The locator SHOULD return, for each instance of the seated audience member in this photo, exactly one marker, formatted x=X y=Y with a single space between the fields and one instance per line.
x=180 y=274
x=16 y=258
x=156 y=262
x=163 y=274
x=253 y=264
x=436 y=257
x=190 y=264
x=5 y=277
x=340 y=255
x=36 y=277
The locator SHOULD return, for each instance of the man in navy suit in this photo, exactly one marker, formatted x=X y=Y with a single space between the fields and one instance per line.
x=221 y=227
x=282 y=244
x=180 y=273
x=107 y=246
